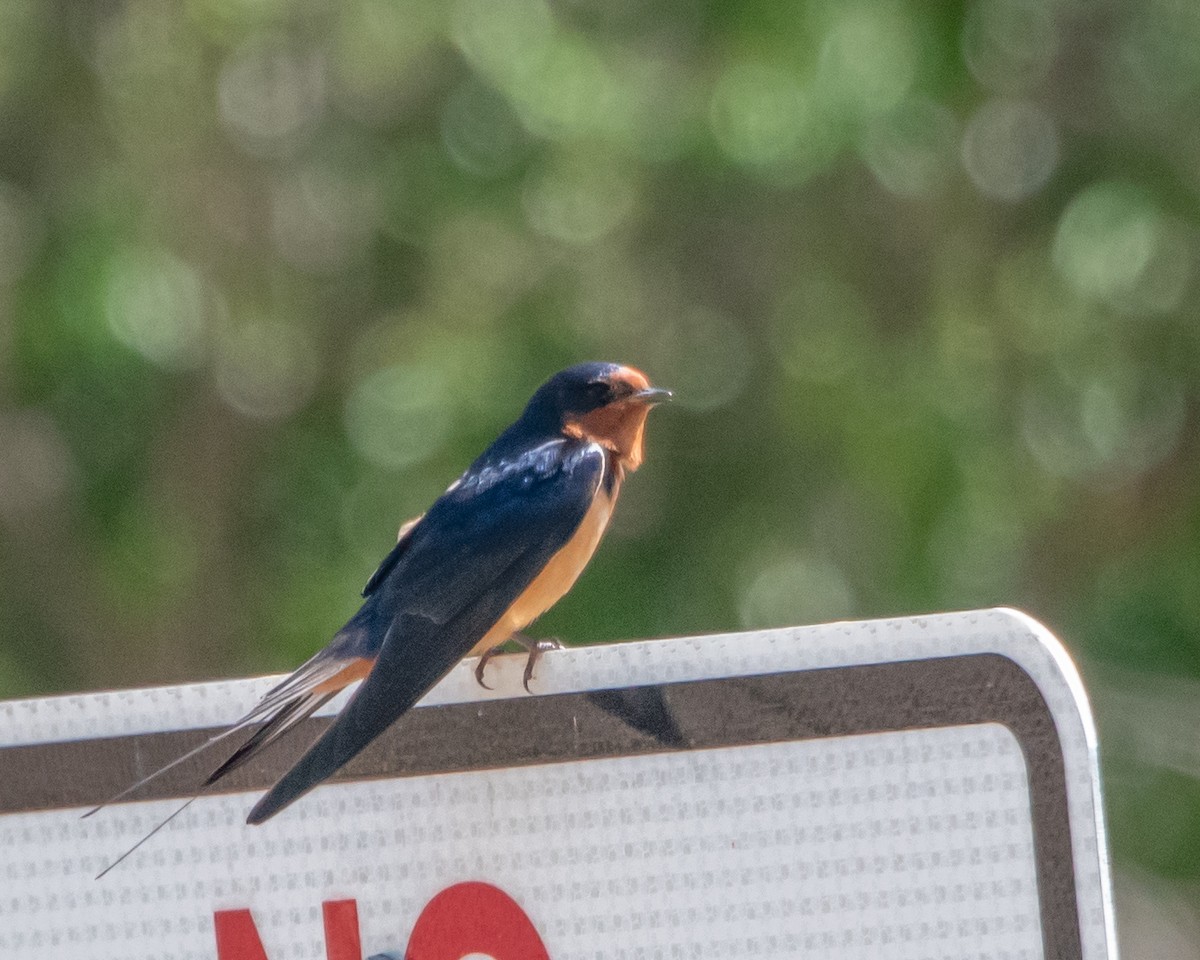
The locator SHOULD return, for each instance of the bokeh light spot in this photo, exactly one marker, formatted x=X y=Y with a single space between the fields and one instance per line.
x=504 y=39
x=1132 y=422
x=912 y=150
x=1153 y=63
x=158 y=305
x=266 y=369
x=764 y=117
x=1106 y=425
x=377 y=62
x=1010 y=45
x=322 y=217
x=557 y=84
x=571 y=94
x=270 y=95
x=657 y=107
x=399 y=416
x=577 y=200
x=1010 y=149
x=868 y=59
x=1113 y=244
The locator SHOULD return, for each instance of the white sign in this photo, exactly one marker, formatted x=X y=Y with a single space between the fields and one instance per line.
x=892 y=790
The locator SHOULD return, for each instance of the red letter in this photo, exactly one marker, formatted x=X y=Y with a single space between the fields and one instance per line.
x=474 y=918
x=341 y=930
x=237 y=936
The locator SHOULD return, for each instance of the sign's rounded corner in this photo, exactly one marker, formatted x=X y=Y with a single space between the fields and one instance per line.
x=1063 y=665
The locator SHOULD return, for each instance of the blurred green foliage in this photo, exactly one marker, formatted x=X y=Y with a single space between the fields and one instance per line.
x=923 y=276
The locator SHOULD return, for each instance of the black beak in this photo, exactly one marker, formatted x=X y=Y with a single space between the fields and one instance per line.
x=653 y=395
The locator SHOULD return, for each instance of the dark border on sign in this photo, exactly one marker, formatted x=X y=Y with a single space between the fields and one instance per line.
x=691 y=715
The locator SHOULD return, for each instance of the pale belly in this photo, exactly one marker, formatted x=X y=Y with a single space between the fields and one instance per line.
x=556 y=578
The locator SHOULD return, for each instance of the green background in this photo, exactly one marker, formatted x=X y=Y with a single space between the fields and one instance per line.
x=924 y=278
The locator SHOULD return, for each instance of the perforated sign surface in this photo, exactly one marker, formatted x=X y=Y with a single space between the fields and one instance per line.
x=912 y=789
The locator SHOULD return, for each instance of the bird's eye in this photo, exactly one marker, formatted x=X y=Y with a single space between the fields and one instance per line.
x=598 y=390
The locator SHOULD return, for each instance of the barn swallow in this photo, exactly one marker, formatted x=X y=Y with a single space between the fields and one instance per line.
x=500 y=547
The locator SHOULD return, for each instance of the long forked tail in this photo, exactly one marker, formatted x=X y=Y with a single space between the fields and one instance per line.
x=291 y=713
x=281 y=708
x=162 y=823
x=246 y=721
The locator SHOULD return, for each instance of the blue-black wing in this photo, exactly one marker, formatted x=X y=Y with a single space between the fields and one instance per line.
x=403 y=540
x=474 y=552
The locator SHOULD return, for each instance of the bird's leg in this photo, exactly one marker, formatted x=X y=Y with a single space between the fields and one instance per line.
x=536 y=648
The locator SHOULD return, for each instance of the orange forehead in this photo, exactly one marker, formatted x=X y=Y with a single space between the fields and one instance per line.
x=632 y=376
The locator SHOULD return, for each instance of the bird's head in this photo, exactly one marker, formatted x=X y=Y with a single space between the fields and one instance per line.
x=603 y=402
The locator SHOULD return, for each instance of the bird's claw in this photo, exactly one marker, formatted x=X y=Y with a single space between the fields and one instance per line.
x=483 y=662
x=536 y=649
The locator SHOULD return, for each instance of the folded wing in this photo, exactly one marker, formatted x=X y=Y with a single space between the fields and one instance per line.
x=478 y=547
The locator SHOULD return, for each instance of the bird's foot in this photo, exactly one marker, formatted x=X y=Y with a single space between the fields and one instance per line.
x=483 y=662
x=536 y=648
